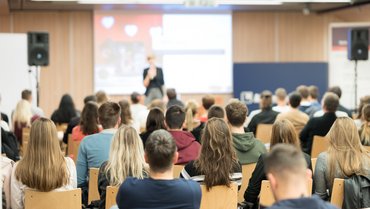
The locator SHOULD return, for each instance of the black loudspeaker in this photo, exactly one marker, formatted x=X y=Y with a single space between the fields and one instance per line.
x=358 y=44
x=38 y=49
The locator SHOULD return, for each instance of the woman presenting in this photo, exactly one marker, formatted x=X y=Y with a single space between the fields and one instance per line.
x=153 y=81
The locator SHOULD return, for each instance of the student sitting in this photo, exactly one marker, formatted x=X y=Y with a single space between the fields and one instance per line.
x=207 y=102
x=286 y=169
x=22 y=117
x=172 y=99
x=89 y=123
x=281 y=102
x=305 y=102
x=126 y=158
x=192 y=124
x=248 y=148
x=312 y=97
x=160 y=190
x=155 y=121
x=216 y=111
x=126 y=116
x=365 y=128
x=139 y=111
x=187 y=147
x=66 y=110
x=217 y=148
x=43 y=166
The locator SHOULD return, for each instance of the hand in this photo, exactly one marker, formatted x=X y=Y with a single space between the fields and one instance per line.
x=152 y=72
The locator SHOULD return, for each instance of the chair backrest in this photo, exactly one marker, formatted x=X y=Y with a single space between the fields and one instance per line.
x=93 y=185
x=219 y=197
x=247 y=171
x=337 y=193
x=313 y=164
x=73 y=148
x=177 y=170
x=320 y=144
x=70 y=199
x=25 y=138
x=110 y=198
x=267 y=198
x=263 y=132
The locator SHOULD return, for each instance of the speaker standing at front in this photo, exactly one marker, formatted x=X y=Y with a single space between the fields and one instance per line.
x=358 y=44
x=38 y=49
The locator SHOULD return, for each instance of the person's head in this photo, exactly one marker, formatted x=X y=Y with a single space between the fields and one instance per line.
x=49 y=169
x=151 y=59
x=216 y=111
x=155 y=120
x=284 y=132
x=313 y=92
x=27 y=95
x=330 y=102
x=191 y=109
x=236 y=113
x=171 y=93
x=363 y=101
x=101 y=97
x=160 y=151
x=295 y=99
x=126 y=117
x=280 y=94
x=175 y=117
x=303 y=91
x=266 y=100
x=67 y=107
x=216 y=147
x=126 y=157
x=365 y=132
x=345 y=152
x=208 y=101
x=109 y=115
x=157 y=103
x=90 y=98
x=286 y=169
x=336 y=90
x=135 y=98
x=22 y=113
x=89 y=119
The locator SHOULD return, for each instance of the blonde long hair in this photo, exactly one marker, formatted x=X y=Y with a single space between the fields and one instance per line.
x=191 y=110
x=365 y=132
x=345 y=152
x=22 y=113
x=43 y=166
x=126 y=156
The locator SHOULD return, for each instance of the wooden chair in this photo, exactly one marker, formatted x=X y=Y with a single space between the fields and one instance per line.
x=320 y=144
x=70 y=199
x=73 y=148
x=263 y=132
x=267 y=198
x=337 y=193
x=110 y=198
x=247 y=171
x=219 y=197
x=25 y=139
x=313 y=163
x=177 y=170
x=93 y=185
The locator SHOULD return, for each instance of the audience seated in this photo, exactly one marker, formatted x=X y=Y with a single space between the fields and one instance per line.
x=101 y=97
x=266 y=116
x=22 y=117
x=313 y=98
x=192 y=124
x=139 y=111
x=160 y=191
x=3 y=124
x=216 y=111
x=89 y=122
x=157 y=103
x=94 y=149
x=217 y=148
x=126 y=158
x=304 y=92
x=27 y=95
x=320 y=125
x=207 y=102
x=187 y=147
x=43 y=166
x=3 y=116
x=248 y=148
x=76 y=120
x=155 y=121
x=6 y=172
x=296 y=117
x=338 y=91
x=286 y=170
x=281 y=103
x=126 y=116
x=345 y=157
x=9 y=145
x=363 y=101
x=365 y=128
x=283 y=132
x=66 y=110
x=172 y=99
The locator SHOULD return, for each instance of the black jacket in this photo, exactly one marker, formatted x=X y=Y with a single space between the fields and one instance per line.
x=267 y=116
x=156 y=82
x=5 y=118
x=356 y=192
x=316 y=126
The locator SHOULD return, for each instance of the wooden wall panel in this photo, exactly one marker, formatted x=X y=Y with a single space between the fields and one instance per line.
x=5 y=23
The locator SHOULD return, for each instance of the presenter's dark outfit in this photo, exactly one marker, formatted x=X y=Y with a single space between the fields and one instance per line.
x=154 y=89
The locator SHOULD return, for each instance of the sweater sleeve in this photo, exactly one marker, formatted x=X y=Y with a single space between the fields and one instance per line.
x=103 y=182
x=320 y=178
x=72 y=172
x=254 y=186
x=16 y=191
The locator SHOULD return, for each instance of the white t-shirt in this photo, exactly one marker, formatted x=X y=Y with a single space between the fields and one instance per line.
x=139 y=114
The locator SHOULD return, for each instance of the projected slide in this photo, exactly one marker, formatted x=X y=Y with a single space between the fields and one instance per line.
x=193 y=50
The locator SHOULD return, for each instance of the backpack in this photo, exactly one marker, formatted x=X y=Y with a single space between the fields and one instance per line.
x=9 y=145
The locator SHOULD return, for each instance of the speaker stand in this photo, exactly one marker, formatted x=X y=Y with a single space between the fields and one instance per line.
x=355 y=77
x=38 y=84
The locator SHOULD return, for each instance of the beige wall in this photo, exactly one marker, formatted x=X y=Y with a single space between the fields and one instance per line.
x=257 y=37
